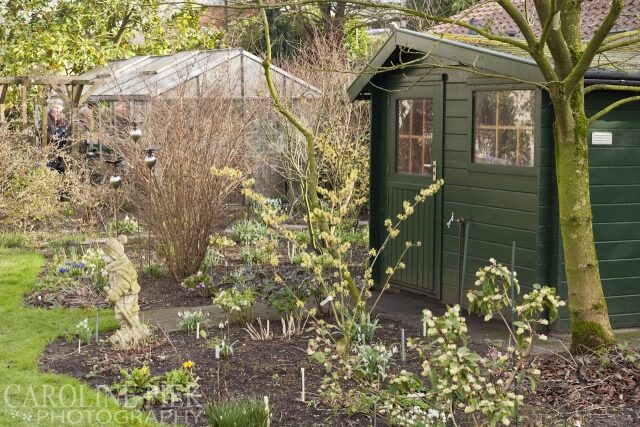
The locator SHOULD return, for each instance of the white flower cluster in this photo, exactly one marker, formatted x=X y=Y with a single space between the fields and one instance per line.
x=415 y=416
x=83 y=326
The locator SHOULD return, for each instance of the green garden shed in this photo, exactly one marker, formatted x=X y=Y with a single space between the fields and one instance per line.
x=473 y=115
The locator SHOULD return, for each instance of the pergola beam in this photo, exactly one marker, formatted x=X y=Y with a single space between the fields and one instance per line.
x=46 y=80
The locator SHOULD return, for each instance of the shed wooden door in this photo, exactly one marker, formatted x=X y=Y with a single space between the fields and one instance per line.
x=414 y=155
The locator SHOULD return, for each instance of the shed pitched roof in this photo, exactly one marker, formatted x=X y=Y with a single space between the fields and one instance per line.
x=233 y=73
x=481 y=54
x=439 y=47
x=490 y=15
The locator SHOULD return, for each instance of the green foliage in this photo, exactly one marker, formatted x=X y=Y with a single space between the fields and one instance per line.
x=363 y=328
x=85 y=332
x=14 y=240
x=238 y=305
x=140 y=389
x=371 y=361
x=199 y=282
x=248 y=231
x=154 y=271
x=127 y=226
x=65 y=240
x=225 y=347
x=258 y=255
x=233 y=414
x=356 y=40
x=359 y=237
x=240 y=278
x=288 y=28
x=75 y=36
x=284 y=301
x=69 y=269
x=188 y=320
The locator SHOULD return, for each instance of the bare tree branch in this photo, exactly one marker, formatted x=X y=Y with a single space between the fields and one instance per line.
x=594 y=44
x=532 y=41
x=597 y=87
x=621 y=43
x=611 y=107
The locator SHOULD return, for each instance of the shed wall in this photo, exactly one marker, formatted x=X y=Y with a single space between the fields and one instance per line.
x=615 y=199
x=501 y=204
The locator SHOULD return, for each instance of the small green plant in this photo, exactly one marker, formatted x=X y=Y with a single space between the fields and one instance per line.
x=69 y=269
x=225 y=347
x=127 y=226
x=154 y=271
x=240 y=278
x=284 y=301
x=248 y=231
x=358 y=237
x=199 y=282
x=211 y=258
x=85 y=332
x=188 y=320
x=238 y=305
x=14 y=240
x=252 y=413
x=140 y=389
x=271 y=204
x=66 y=240
x=363 y=328
x=258 y=255
x=95 y=267
x=371 y=361
x=181 y=382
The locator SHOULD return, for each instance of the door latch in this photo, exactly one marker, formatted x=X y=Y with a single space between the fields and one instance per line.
x=434 y=169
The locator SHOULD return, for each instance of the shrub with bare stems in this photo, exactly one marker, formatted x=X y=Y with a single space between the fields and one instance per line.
x=35 y=197
x=340 y=127
x=180 y=199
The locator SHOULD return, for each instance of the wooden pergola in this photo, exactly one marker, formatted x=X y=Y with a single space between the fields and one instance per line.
x=69 y=88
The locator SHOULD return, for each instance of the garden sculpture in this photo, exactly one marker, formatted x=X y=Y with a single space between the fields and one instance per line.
x=122 y=290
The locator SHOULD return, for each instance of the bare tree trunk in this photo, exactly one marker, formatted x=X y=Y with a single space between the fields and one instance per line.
x=590 y=327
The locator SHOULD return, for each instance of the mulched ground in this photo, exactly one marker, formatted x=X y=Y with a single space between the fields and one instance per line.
x=605 y=388
x=167 y=292
x=256 y=369
x=591 y=390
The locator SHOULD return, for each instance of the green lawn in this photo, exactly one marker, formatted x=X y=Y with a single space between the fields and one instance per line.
x=29 y=397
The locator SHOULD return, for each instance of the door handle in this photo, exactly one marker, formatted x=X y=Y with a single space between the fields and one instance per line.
x=434 y=169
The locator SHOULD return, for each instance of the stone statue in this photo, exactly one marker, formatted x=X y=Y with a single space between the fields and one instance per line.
x=122 y=291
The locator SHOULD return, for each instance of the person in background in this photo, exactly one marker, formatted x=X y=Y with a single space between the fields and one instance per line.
x=58 y=129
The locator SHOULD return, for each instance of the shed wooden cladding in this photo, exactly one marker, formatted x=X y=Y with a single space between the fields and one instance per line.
x=502 y=203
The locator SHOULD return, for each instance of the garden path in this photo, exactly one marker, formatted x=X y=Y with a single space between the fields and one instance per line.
x=166 y=318
x=401 y=307
x=406 y=308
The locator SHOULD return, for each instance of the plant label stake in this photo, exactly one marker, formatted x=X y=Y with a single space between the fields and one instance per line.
x=403 y=353
x=198 y=330
x=97 y=326
x=217 y=352
x=79 y=344
x=266 y=409
x=303 y=390
x=375 y=414
x=424 y=328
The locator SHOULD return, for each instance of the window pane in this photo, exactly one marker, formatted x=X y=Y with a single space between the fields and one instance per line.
x=485 y=111
x=503 y=127
x=485 y=146
x=415 y=134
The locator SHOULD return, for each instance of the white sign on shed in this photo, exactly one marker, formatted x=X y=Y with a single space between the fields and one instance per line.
x=601 y=138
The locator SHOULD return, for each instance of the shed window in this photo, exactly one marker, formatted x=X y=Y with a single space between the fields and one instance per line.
x=414 y=137
x=503 y=127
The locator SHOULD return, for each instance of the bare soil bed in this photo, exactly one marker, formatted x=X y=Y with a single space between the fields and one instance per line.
x=256 y=369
